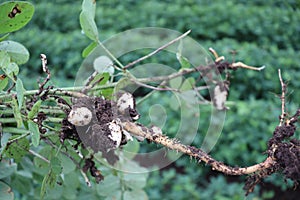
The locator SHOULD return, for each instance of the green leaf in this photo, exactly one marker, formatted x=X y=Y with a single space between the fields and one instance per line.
x=188 y=84
x=20 y=92
x=18 y=53
x=175 y=82
x=4 y=139
x=189 y=97
x=56 y=165
x=17 y=112
x=7 y=169
x=174 y=102
x=72 y=180
x=105 y=77
x=109 y=185
x=12 y=70
x=184 y=62
x=17 y=149
x=35 y=133
x=48 y=182
x=107 y=93
x=34 y=110
x=22 y=184
x=89 y=49
x=6 y=192
x=135 y=181
x=11 y=22
x=89 y=6
x=67 y=164
x=88 y=26
x=3 y=83
x=135 y=195
x=4 y=60
x=42 y=165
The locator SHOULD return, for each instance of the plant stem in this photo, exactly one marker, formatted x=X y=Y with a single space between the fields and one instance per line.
x=60 y=91
x=110 y=54
x=15 y=130
x=157 y=50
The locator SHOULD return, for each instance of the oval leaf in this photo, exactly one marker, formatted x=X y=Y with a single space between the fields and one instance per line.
x=35 y=133
x=12 y=70
x=17 y=52
x=89 y=49
x=88 y=25
x=4 y=60
x=56 y=165
x=15 y=15
x=175 y=82
x=17 y=112
x=188 y=84
x=18 y=149
x=35 y=108
x=184 y=62
x=20 y=92
x=90 y=7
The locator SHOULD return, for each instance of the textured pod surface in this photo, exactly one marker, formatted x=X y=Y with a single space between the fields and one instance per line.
x=115 y=132
x=80 y=116
x=125 y=101
x=126 y=106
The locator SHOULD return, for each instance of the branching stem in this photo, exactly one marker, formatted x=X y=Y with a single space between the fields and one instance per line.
x=156 y=50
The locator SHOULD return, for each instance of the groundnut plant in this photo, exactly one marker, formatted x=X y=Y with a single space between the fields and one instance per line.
x=94 y=126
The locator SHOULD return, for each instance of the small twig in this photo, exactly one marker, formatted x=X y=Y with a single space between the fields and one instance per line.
x=91 y=78
x=86 y=179
x=88 y=87
x=295 y=117
x=47 y=71
x=153 y=87
x=11 y=87
x=283 y=90
x=1 y=131
x=39 y=156
x=242 y=65
x=217 y=57
x=64 y=92
x=157 y=50
x=139 y=101
x=15 y=130
x=18 y=138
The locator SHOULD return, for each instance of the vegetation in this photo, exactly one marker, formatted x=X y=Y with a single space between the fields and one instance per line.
x=254 y=32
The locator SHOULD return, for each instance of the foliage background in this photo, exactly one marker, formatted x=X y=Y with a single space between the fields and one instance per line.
x=262 y=33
